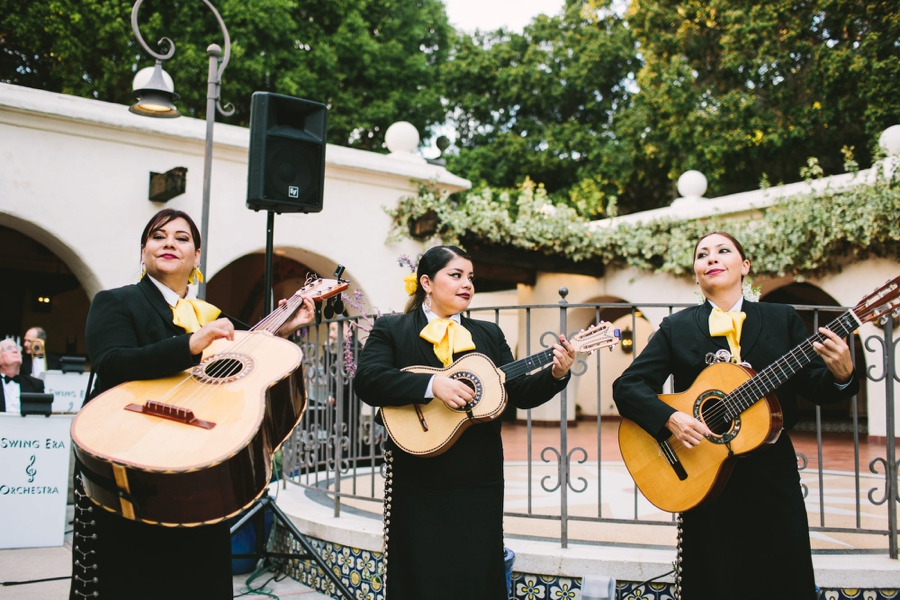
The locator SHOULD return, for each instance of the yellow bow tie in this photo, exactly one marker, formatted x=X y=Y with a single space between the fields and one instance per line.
x=728 y=324
x=192 y=314
x=448 y=337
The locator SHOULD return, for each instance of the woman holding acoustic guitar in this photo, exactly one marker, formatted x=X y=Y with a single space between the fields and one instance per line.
x=444 y=513
x=752 y=540
x=149 y=330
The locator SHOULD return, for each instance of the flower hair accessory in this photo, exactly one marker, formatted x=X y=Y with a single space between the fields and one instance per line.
x=412 y=283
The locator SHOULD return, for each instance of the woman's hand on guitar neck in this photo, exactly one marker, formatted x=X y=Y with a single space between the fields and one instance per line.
x=212 y=331
x=836 y=354
x=688 y=430
x=452 y=392
x=304 y=315
x=563 y=357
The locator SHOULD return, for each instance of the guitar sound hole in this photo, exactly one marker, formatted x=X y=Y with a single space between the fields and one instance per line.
x=713 y=411
x=223 y=368
x=473 y=383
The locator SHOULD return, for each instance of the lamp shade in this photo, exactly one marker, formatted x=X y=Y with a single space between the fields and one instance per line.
x=155 y=98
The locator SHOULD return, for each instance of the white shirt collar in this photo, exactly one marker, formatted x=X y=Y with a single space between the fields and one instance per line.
x=171 y=296
x=431 y=316
x=736 y=308
x=11 y=393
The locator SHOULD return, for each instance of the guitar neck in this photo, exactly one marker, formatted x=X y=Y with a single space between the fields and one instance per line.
x=278 y=317
x=535 y=362
x=770 y=378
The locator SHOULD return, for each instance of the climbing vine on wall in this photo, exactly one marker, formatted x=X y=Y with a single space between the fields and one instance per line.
x=806 y=235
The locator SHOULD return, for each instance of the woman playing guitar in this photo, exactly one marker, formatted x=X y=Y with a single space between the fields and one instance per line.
x=752 y=540
x=445 y=512
x=154 y=328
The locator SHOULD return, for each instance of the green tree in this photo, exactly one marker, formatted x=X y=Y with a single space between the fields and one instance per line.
x=740 y=90
x=372 y=62
x=540 y=104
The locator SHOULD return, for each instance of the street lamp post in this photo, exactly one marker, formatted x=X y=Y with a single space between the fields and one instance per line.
x=155 y=99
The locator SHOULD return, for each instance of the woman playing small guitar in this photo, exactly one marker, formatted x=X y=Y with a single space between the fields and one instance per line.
x=446 y=511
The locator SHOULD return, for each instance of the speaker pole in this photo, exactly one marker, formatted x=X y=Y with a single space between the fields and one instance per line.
x=267 y=280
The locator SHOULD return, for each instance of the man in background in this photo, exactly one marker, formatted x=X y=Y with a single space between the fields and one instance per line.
x=35 y=363
x=12 y=382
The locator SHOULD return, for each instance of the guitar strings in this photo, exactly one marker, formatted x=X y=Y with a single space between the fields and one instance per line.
x=214 y=376
x=751 y=391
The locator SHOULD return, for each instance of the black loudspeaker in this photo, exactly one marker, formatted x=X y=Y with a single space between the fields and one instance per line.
x=287 y=154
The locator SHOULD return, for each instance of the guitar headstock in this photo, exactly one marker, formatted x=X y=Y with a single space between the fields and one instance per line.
x=319 y=289
x=882 y=303
x=601 y=335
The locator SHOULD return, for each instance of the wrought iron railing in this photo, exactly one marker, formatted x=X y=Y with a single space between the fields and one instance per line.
x=337 y=449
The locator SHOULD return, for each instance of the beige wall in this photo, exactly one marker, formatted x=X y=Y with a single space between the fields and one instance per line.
x=74 y=176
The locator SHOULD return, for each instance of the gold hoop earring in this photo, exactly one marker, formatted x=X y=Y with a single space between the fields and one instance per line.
x=196 y=277
x=143 y=271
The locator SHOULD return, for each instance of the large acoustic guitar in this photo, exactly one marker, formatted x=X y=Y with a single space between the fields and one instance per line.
x=430 y=429
x=197 y=447
x=739 y=407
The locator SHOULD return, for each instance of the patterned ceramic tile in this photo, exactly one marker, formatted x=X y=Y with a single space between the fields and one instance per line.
x=360 y=571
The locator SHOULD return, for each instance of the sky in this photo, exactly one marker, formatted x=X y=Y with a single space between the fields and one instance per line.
x=492 y=14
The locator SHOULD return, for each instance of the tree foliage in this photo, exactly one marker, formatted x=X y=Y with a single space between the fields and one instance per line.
x=540 y=104
x=372 y=62
x=740 y=90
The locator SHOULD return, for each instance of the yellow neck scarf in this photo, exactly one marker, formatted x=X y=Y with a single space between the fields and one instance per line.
x=448 y=337
x=728 y=324
x=192 y=314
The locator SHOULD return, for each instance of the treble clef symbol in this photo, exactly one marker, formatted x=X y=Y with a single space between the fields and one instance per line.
x=30 y=470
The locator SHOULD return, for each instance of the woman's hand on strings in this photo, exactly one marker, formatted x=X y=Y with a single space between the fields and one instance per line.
x=452 y=392
x=563 y=357
x=836 y=354
x=214 y=330
x=688 y=430
x=304 y=316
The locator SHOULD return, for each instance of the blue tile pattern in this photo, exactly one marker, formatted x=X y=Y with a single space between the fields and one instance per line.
x=360 y=570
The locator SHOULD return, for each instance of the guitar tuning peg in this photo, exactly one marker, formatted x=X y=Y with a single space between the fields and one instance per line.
x=329 y=309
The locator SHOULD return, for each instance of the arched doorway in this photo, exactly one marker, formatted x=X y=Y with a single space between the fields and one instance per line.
x=835 y=417
x=593 y=389
x=40 y=290
x=238 y=288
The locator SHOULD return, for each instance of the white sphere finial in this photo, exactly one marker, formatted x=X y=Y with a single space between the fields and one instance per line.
x=890 y=140
x=692 y=184
x=402 y=138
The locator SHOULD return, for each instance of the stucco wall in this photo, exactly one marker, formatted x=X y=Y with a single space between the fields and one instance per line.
x=74 y=176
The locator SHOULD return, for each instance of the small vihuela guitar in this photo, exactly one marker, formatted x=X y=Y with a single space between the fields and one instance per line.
x=739 y=407
x=430 y=429
x=197 y=447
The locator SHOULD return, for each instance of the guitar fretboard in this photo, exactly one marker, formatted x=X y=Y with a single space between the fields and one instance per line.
x=770 y=378
x=527 y=365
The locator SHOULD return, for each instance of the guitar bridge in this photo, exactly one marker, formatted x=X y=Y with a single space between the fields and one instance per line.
x=171 y=412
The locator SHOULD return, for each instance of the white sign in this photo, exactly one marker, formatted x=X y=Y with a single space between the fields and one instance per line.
x=67 y=388
x=34 y=479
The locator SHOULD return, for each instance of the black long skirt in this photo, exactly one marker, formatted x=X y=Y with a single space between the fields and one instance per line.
x=446 y=522
x=118 y=558
x=752 y=542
